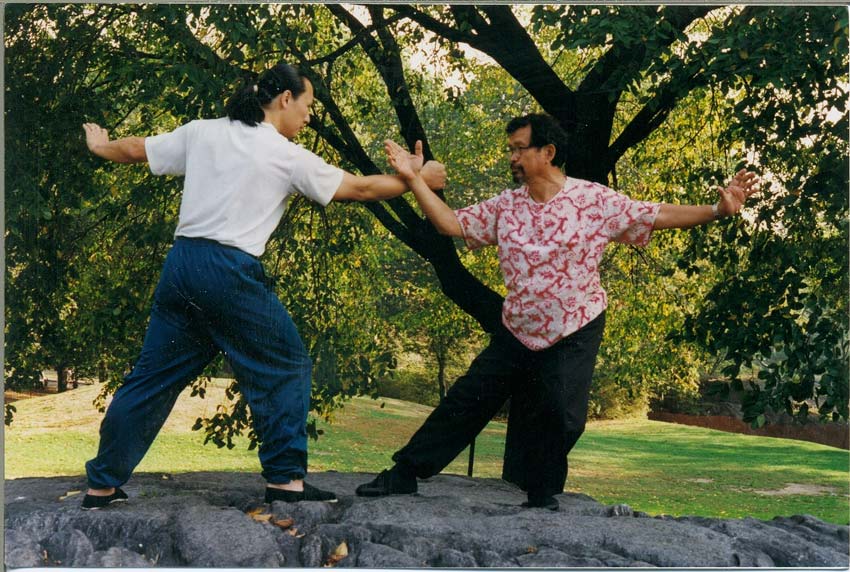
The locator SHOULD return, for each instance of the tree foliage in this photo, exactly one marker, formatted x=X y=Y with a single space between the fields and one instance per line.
x=765 y=85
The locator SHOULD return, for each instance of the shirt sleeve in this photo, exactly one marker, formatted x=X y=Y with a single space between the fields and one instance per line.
x=479 y=223
x=627 y=220
x=314 y=178
x=167 y=151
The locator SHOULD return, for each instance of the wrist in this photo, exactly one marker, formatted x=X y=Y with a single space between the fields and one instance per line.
x=410 y=178
x=715 y=211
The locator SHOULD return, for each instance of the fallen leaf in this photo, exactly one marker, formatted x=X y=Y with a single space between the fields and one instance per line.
x=339 y=553
x=283 y=523
x=258 y=515
x=531 y=550
x=293 y=532
x=69 y=494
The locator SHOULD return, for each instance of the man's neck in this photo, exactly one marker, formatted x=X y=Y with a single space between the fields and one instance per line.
x=542 y=189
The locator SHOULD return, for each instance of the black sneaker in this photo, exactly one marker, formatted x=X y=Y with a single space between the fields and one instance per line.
x=388 y=482
x=93 y=502
x=310 y=493
x=547 y=502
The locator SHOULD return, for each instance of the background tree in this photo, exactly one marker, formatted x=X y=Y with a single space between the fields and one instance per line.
x=772 y=78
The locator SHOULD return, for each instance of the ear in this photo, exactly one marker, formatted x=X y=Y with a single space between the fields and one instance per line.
x=550 y=151
x=285 y=98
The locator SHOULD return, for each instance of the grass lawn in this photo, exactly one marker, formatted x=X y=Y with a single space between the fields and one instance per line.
x=655 y=467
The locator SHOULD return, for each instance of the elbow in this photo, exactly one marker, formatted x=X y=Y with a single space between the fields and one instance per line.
x=354 y=188
x=449 y=228
x=133 y=151
x=137 y=152
x=353 y=194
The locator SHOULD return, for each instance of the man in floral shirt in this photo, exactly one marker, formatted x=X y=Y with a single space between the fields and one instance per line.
x=551 y=233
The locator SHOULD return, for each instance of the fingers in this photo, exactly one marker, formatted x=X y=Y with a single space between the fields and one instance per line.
x=391 y=146
x=393 y=150
x=735 y=194
x=95 y=131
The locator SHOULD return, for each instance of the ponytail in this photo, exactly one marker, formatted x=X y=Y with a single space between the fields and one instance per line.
x=246 y=103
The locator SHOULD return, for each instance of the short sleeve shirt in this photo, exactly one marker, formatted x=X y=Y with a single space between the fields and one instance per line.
x=549 y=253
x=238 y=179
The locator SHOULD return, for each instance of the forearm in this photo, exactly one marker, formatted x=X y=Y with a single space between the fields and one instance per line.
x=126 y=150
x=732 y=199
x=438 y=212
x=370 y=187
x=682 y=216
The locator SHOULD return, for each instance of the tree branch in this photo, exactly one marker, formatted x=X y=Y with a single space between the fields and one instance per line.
x=687 y=77
x=505 y=40
x=620 y=64
x=430 y=23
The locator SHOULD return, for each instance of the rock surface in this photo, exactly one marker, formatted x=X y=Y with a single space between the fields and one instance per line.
x=219 y=520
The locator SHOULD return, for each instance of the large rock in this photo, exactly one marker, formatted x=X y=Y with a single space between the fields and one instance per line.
x=219 y=520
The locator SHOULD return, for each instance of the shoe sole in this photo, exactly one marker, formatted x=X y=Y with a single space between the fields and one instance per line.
x=371 y=494
x=113 y=501
x=547 y=507
x=269 y=501
x=291 y=502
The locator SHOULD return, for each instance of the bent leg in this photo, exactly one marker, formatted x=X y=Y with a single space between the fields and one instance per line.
x=559 y=403
x=269 y=360
x=466 y=409
x=171 y=357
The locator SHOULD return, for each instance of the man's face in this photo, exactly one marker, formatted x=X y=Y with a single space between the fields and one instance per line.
x=297 y=112
x=522 y=155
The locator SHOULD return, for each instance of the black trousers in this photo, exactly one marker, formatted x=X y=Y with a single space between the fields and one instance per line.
x=549 y=395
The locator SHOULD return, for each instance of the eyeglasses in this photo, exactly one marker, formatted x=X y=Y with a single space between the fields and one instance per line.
x=510 y=151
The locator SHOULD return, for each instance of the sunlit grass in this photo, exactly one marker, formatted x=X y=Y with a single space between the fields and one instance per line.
x=658 y=468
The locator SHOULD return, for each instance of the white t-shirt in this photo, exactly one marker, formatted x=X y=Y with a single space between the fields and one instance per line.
x=238 y=179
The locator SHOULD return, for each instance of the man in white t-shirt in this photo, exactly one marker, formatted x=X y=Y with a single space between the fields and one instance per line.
x=213 y=296
x=551 y=233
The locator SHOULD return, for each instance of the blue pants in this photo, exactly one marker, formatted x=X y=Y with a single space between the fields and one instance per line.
x=210 y=299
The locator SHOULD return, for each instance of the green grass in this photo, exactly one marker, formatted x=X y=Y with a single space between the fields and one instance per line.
x=654 y=467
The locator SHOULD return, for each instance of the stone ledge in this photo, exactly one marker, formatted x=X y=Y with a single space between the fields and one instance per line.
x=205 y=520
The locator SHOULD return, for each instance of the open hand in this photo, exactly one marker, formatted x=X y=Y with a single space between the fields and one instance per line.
x=406 y=164
x=95 y=136
x=740 y=188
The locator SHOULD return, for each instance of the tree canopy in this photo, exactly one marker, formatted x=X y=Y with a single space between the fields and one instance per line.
x=660 y=102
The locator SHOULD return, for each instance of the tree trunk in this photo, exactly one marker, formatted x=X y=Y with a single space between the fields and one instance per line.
x=441 y=373
x=61 y=378
x=102 y=372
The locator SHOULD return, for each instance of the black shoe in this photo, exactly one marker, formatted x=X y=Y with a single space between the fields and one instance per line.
x=547 y=502
x=310 y=493
x=93 y=502
x=388 y=482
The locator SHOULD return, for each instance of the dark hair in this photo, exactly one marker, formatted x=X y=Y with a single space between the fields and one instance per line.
x=246 y=103
x=545 y=130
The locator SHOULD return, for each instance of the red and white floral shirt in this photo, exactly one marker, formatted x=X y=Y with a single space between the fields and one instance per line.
x=549 y=252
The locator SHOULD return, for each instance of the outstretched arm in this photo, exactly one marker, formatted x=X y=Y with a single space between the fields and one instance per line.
x=380 y=187
x=732 y=198
x=126 y=150
x=441 y=216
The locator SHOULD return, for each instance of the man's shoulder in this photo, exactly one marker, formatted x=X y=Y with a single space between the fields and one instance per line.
x=513 y=194
x=576 y=183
